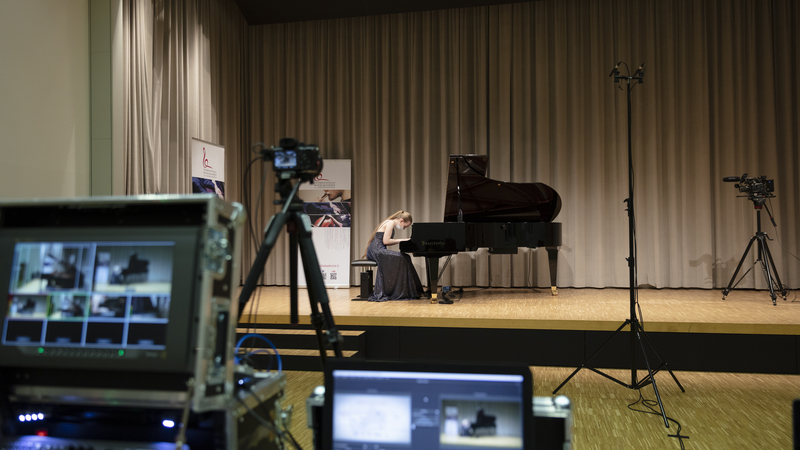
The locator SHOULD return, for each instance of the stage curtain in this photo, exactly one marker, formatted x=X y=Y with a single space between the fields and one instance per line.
x=184 y=78
x=528 y=84
x=141 y=170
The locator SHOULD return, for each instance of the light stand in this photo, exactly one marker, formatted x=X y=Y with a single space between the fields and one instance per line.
x=772 y=277
x=637 y=333
x=299 y=227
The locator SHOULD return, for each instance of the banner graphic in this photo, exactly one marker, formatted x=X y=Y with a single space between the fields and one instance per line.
x=208 y=168
x=328 y=204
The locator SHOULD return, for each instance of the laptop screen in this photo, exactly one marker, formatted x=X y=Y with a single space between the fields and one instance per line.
x=383 y=405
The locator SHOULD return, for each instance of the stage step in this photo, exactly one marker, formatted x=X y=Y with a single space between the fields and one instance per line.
x=298 y=348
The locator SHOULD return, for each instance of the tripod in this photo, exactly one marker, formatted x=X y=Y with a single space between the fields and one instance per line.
x=773 y=280
x=637 y=333
x=299 y=227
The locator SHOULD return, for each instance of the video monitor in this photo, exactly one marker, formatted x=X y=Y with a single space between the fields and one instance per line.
x=285 y=159
x=400 y=405
x=114 y=298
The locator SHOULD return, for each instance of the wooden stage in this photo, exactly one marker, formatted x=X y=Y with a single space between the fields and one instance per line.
x=692 y=329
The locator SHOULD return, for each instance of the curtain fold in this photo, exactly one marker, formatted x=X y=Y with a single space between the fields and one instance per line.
x=185 y=78
x=139 y=153
x=527 y=84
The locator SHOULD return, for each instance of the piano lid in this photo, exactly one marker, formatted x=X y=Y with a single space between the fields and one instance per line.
x=485 y=200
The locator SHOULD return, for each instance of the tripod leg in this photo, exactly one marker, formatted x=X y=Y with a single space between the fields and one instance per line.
x=783 y=290
x=271 y=233
x=635 y=328
x=293 y=319
x=762 y=244
x=592 y=356
x=736 y=272
x=568 y=378
x=652 y=347
x=317 y=294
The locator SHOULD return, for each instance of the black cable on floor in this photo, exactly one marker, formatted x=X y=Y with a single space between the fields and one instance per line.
x=649 y=405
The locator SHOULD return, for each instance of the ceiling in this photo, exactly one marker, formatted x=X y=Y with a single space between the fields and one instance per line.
x=260 y=12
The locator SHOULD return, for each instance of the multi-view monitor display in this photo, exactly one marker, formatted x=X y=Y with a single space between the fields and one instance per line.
x=89 y=294
x=403 y=409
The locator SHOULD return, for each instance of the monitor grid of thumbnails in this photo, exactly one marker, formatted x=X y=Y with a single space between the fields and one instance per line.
x=399 y=410
x=90 y=295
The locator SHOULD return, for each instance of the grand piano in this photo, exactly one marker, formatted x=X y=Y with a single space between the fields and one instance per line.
x=483 y=213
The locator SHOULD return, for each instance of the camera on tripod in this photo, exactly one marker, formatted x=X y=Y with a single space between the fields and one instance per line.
x=292 y=159
x=755 y=187
x=758 y=190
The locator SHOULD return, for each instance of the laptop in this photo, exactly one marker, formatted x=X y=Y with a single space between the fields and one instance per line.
x=403 y=405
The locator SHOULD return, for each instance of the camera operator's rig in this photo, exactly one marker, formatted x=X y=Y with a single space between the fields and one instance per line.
x=758 y=190
x=119 y=328
x=296 y=161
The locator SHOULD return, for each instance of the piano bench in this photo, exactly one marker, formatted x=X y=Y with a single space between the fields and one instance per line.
x=366 y=277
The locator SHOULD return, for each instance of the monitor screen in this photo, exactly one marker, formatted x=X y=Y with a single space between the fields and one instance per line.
x=89 y=294
x=285 y=159
x=441 y=406
x=116 y=297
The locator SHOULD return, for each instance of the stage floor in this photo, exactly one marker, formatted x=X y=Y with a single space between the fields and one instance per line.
x=711 y=410
x=662 y=310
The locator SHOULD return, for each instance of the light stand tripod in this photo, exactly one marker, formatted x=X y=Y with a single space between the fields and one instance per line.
x=764 y=257
x=637 y=333
x=299 y=228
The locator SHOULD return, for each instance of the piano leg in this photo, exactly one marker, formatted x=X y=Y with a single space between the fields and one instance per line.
x=432 y=267
x=552 y=258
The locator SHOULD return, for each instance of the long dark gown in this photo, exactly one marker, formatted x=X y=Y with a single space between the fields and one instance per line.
x=396 y=278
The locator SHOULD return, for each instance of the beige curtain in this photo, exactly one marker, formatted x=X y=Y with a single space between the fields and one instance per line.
x=141 y=170
x=185 y=78
x=527 y=84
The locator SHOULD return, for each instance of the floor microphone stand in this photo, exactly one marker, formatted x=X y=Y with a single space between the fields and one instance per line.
x=637 y=333
x=299 y=227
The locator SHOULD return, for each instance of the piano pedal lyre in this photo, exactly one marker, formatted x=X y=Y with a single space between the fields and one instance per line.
x=554 y=290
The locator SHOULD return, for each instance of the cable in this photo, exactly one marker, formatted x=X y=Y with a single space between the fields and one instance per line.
x=628 y=69
x=251 y=217
x=649 y=405
x=258 y=205
x=294 y=441
x=180 y=439
x=246 y=358
x=246 y=198
x=778 y=239
x=269 y=426
x=254 y=335
x=777 y=235
x=255 y=305
x=285 y=430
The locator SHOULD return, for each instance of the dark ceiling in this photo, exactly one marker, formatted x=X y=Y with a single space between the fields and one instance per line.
x=260 y=12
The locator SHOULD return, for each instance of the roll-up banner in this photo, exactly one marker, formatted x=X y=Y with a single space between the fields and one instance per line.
x=208 y=168
x=327 y=203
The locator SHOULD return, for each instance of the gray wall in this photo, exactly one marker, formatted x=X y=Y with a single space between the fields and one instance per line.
x=45 y=131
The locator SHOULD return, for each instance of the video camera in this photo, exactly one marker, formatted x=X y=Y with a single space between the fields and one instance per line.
x=757 y=187
x=294 y=159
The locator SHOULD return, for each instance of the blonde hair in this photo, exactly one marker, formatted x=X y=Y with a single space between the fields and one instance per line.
x=406 y=216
